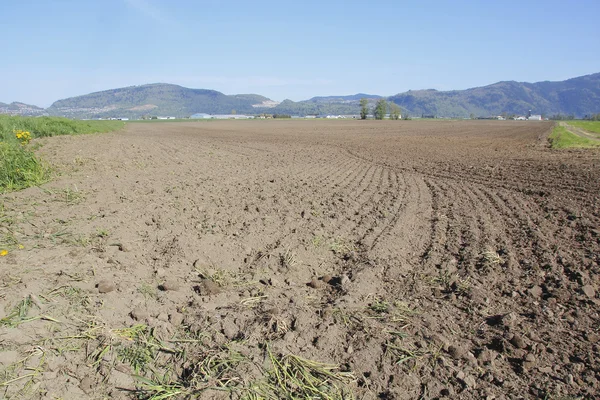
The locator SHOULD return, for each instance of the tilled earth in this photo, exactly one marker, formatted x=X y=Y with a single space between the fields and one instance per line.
x=406 y=259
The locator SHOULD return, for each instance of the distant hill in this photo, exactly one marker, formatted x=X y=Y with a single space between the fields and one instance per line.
x=578 y=96
x=159 y=99
x=345 y=105
x=344 y=99
x=16 y=108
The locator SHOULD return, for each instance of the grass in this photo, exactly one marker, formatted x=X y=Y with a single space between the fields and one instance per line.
x=54 y=126
x=590 y=126
x=561 y=138
x=19 y=166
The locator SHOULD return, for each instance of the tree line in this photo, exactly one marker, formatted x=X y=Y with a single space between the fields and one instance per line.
x=381 y=109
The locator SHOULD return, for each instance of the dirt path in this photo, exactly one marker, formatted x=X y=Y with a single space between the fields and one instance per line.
x=581 y=132
x=425 y=259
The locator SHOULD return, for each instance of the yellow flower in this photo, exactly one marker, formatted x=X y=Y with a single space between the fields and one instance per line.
x=3 y=253
x=21 y=247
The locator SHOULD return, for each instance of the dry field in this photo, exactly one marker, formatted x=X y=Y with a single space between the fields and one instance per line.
x=305 y=259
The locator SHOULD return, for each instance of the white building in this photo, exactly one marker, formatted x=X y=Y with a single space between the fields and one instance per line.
x=201 y=116
x=535 y=118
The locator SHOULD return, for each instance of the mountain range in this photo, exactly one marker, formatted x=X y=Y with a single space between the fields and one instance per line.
x=577 y=96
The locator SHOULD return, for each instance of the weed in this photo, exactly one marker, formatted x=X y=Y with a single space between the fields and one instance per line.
x=9 y=239
x=219 y=276
x=72 y=196
x=148 y=291
x=451 y=283
x=102 y=233
x=224 y=278
x=340 y=246
x=317 y=241
x=79 y=241
x=388 y=312
x=379 y=306
x=288 y=259
x=491 y=258
x=138 y=356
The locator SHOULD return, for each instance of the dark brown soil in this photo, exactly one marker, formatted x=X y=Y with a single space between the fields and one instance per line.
x=430 y=259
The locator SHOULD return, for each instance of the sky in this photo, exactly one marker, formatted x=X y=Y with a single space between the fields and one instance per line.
x=289 y=49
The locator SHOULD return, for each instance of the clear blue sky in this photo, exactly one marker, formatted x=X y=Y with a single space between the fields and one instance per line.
x=290 y=49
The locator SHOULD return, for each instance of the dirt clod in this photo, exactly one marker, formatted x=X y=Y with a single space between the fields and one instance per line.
x=140 y=314
x=315 y=283
x=176 y=319
x=457 y=351
x=589 y=291
x=169 y=285
x=207 y=288
x=87 y=384
x=106 y=286
x=535 y=291
x=518 y=341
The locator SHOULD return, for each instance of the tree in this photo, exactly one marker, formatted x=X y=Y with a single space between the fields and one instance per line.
x=394 y=111
x=364 y=108
x=380 y=109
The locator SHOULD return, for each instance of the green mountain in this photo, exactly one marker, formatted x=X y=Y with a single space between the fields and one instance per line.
x=159 y=99
x=578 y=96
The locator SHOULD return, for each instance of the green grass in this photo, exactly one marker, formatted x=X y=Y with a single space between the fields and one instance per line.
x=590 y=126
x=19 y=166
x=53 y=126
x=561 y=138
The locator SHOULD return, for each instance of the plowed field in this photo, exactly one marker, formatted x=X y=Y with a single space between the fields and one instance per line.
x=420 y=259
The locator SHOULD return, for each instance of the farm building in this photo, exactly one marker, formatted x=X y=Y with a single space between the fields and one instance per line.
x=201 y=116
x=535 y=117
x=232 y=116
